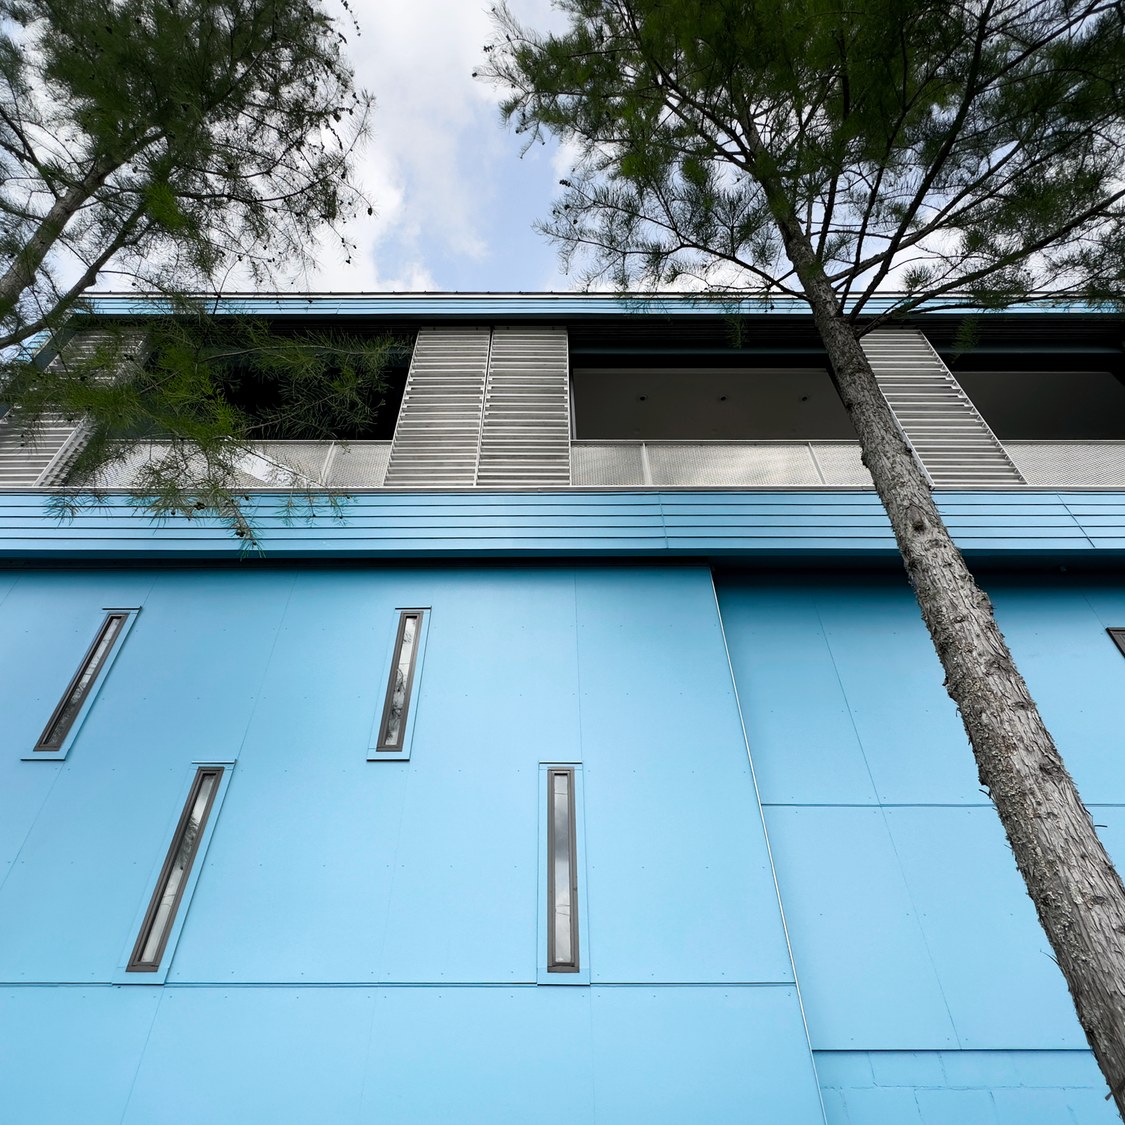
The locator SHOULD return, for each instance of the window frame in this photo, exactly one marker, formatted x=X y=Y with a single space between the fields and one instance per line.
x=1117 y=635
x=41 y=753
x=544 y=974
x=377 y=750
x=129 y=970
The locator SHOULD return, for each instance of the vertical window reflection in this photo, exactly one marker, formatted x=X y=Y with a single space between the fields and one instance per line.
x=170 y=887
x=54 y=734
x=562 y=874
x=402 y=676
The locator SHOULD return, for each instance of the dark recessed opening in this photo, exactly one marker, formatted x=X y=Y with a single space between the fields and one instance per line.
x=708 y=404
x=263 y=402
x=296 y=406
x=1049 y=405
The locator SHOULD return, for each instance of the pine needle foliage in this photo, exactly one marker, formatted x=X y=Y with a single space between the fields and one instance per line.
x=169 y=142
x=194 y=396
x=173 y=144
x=959 y=152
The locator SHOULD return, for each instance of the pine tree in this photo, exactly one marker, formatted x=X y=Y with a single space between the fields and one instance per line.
x=172 y=143
x=964 y=153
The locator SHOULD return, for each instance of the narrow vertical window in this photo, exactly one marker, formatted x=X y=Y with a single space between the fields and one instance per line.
x=161 y=913
x=83 y=683
x=562 y=874
x=1118 y=636
x=397 y=703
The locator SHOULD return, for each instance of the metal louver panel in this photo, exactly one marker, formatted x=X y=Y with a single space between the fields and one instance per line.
x=437 y=436
x=43 y=456
x=27 y=456
x=525 y=434
x=951 y=439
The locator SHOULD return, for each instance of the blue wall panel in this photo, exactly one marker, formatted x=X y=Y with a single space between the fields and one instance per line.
x=325 y=866
x=913 y=742
x=741 y=1048
x=72 y=1054
x=48 y=626
x=203 y=649
x=958 y=1087
x=867 y=977
x=994 y=963
x=1056 y=630
x=909 y=922
x=296 y=883
x=477 y=1055
x=675 y=843
x=803 y=743
x=88 y=864
x=488 y=713
x=842 y=693
x=24 y=793
x=398 y=1056
x=253 y=1056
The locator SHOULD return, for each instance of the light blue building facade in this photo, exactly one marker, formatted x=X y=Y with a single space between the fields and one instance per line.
x=606 y=777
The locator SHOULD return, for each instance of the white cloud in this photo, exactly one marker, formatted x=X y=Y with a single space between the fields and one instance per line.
x=452 y=199
x=453 y=202
x=564 y=158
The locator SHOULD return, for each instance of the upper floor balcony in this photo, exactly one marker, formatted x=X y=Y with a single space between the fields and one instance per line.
x=562 y=407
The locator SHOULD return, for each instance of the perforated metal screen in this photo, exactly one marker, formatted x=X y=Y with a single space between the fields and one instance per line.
x=718 y=464
x=594 y=464
x=363 y=464
x=1070 y=464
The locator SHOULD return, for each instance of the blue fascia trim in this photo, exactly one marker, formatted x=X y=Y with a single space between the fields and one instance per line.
x=517 y=305
x=728 y=527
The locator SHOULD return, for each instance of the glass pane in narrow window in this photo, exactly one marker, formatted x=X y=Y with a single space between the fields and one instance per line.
x=398 y=690
x=562 y=906
x=169 y=890
x=66 y=712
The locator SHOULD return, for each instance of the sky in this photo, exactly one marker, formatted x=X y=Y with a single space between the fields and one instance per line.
x=454 y=201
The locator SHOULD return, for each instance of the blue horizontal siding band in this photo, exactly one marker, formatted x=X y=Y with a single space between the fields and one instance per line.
x=504 y=305
x=771 y=520
x=775 y=511
x=656 y=524
x=1025 y=546
x=1052 y=522
x=1036 y=526
x=967 y=504
x=624 y=525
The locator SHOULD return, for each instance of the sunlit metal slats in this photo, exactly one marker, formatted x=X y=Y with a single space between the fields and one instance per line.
x=484 y=408
x=43 y=456
x=437 y=437
x=525 y=435
x=952 y=440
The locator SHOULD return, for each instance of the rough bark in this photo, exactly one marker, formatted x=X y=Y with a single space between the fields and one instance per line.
x=1072 y=882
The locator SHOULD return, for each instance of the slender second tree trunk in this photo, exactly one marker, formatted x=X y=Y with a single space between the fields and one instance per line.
x=24 y=267
x=1070 y=878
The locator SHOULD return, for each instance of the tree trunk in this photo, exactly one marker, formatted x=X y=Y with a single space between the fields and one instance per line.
x=1070 y=878
x=25 y=265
